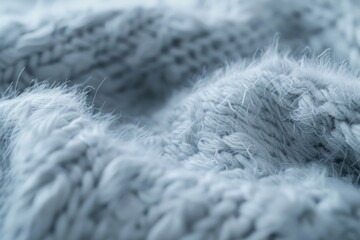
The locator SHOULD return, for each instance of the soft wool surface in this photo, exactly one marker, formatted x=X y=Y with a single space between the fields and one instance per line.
x=217 y=139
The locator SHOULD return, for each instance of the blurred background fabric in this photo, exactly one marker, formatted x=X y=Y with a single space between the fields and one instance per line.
x=147 y=48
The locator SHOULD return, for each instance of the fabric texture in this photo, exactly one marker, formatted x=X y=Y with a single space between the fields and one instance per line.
x=201 y=120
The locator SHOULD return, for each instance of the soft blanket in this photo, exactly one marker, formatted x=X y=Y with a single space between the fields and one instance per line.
x=193 y=120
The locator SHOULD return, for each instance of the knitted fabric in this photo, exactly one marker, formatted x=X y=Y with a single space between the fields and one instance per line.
x=143 y=53
x=263 y=146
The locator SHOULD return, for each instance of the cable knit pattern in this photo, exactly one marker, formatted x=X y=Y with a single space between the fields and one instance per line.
x=259 y=145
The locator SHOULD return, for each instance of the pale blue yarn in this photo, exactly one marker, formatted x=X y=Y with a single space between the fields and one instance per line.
x=265 y=147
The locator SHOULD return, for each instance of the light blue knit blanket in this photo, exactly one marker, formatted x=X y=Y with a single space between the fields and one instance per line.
x=175 y=123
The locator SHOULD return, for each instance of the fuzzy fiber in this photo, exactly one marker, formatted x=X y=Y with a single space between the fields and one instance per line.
x=209 y=137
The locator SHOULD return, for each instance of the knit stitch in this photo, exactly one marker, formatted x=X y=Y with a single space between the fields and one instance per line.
x=143 y=53
x=260 y=145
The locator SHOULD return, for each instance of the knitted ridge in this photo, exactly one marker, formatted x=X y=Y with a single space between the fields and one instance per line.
x=212 y=175
x=277 y=110
x=138 y=55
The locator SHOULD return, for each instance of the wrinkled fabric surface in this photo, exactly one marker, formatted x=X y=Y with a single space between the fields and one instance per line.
x=200 y=120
